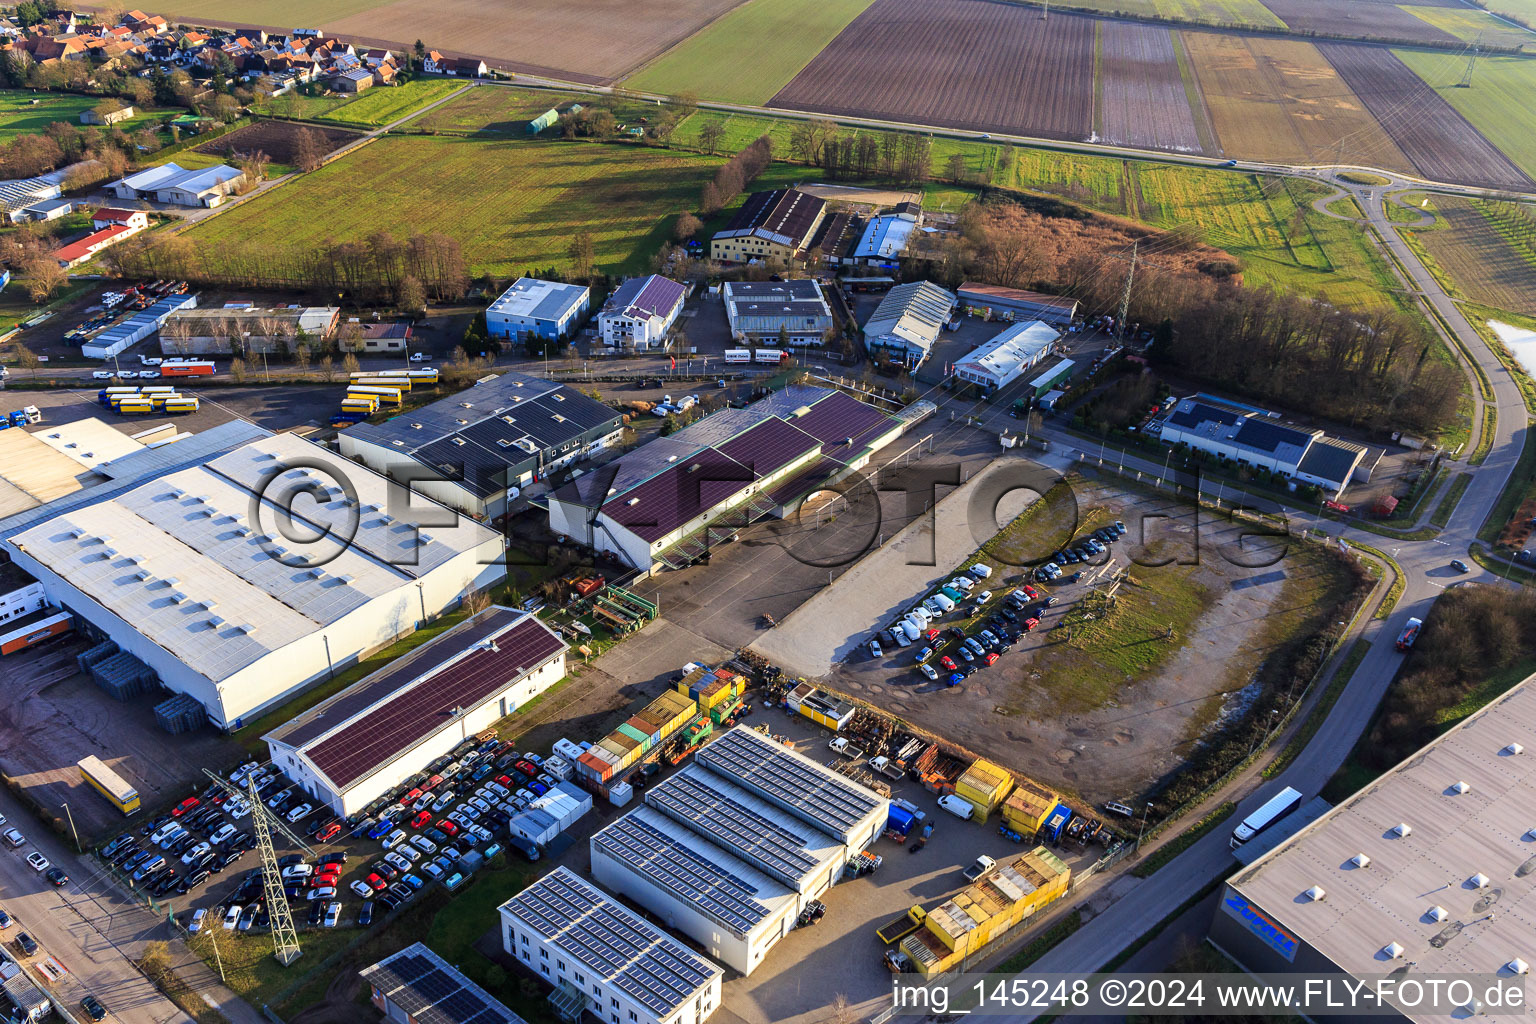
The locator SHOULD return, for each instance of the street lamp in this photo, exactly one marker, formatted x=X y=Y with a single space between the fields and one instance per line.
x=71 y=817
x=1143 y=826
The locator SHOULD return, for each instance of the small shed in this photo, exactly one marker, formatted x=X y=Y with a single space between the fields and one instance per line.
x=544 y=120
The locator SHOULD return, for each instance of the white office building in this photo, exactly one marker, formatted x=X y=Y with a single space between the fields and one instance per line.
x=603 y=958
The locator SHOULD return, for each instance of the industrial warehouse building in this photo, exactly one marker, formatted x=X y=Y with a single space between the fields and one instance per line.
x=906 y=324
x=416 y=986
x=731 y=850
x=217 y=606
x=217 y=330
x=41 y=466
x=765 y=311
x=1005 y=358
x=666 y=503
x=640 y=312
x=886 y=237
x=469 y=449
x=778 y=224
x=546 y=309
x=358 y=745
x=1425 y=871
x=998 y=303
x=604 y=958
x=179 y=186
x=1253 y=437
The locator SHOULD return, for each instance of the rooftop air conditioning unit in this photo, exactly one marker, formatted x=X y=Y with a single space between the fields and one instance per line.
x=1518 y=966
x=1478 y=881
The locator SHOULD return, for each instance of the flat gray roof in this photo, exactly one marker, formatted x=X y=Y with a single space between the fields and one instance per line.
x=541 y=300
x=1453 y=887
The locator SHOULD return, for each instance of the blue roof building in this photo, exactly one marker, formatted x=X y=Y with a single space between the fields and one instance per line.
x=546 y=309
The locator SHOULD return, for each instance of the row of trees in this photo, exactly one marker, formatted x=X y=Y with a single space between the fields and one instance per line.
x=735 y=175
x=379 y=268
x=893 y=156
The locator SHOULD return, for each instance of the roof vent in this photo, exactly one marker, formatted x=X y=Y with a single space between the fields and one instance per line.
x=144 y=575
x=246 y=628
x=1315 y=894
x=466 y=405
x=671 y=458
x=243 y=531
x=503 y=442
x=459 y=440
x=398 y=443
x=345 y=579
x=76 y=533
x=1518 y=966
x=1392 y=950
x=1360 y=860
x=633 y=501
x=415 y=426
x=1402 y=829
x=1460 y=788
x=1514 y=748
x=177 y=597
x=1436 y=913
x=215 y=621
x=461 y=421
x=317 y=574
x=1478 y=881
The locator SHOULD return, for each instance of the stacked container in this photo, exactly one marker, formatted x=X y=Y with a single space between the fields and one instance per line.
x=1027 y=808
x=711 y=689
x=984 y=786
x=634 y=740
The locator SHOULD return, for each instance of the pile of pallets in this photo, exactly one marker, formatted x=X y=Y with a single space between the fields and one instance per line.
x=122 y=676
x=181 y=713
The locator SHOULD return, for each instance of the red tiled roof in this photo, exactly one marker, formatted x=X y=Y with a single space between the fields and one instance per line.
x=87 y=245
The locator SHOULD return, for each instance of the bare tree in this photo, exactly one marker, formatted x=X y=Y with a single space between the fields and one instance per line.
x=582 y=253
x=327 y=369
x=710 y=136
x=308 y=150
x=349 y=364
x=27 y=360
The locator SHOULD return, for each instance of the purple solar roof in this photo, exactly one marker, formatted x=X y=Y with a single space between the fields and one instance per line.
x=376 y=736
x=656 y=296
x=838 y=417
x=768 y=446
x=689 y=488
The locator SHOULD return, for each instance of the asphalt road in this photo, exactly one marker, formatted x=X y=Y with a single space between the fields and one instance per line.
x=94 y=930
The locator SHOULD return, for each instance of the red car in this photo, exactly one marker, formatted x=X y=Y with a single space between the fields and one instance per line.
x=932 y=635
x=991 y=658
x=505 y=780
x=948 y=663
x=410 y=797
x=328 y=833
x=1030 y=592
x=528 y=768
x=218 y=798
x=447 y=827
x=186 y=805
x=433 y=782
x=1030 y=624
x=374 y=882
x=421 y=819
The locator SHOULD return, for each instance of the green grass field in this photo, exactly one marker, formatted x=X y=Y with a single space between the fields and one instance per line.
x=1523 y=11
x=784 y=37
x=384 y=104
x=1498 y=103
x=23 y=112
x=1473 y=26
x=505 y=111
x=511 y=204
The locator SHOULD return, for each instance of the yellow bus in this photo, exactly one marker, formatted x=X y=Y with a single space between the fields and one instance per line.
x=386 y=396
x=379 y=380
x=109 y=784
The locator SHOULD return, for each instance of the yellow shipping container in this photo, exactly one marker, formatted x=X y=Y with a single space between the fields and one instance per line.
x=1026 y=808
x=985 y=785
x=986 y=909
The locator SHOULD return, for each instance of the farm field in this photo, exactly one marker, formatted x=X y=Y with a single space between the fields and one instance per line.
x=968 y=65
x=274 y=138
x=383 y=104
x=1440 y=142
x=510 y=204
x=264 y=12
x=713 y=63
x=1523 y=11
x=1474 y=26
x=1487 y=255
x=1357 y=19
x=20 y=115
x=1278 y=99
x=1202 y=12
x=1142 y=101
x=593 y=40
x=502 y=110
x=1499 y=103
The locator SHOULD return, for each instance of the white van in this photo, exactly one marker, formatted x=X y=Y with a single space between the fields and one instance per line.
x=933 y=608
x=943 y=603
x=911 y=630
x=980 y=571
x=921 y=613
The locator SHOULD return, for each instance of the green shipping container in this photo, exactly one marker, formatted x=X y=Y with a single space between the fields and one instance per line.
x=635 y=734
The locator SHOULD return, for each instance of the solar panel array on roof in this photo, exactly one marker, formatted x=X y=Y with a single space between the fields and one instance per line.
x=732 y=825
x=374 y=738
x=803 y=788
x=670 y=864
x=609 y=940
x=769 y=446
x=423 y=985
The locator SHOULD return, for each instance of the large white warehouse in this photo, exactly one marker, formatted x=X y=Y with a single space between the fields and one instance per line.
x=352 y=748
x=213 y=576
x=607 y=959
x=730 y=850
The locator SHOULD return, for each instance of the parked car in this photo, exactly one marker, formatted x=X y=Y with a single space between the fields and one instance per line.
x=232 y=916
x=14 y=838
x=365 y=914
x=26 y=943
x=57 y=877
x=195 y=922
x=38 y=861
x=332 y=914
x=186 y=805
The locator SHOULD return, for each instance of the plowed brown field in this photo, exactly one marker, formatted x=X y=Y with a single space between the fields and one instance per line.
x=1359 y=19
x=956 y=64
x=1143 y=99
x=1479 y=259
x=1442 y=144
x=595 y=40
x=1278 y=99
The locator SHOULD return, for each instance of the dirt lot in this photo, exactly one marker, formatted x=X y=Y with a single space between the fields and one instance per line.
x=274 y=138
x=1441 y=143
x=1143 y=99
x=960 y=64
x=1111 y=706
x=1279 y=99
x=599 y=39
x=54 y=715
